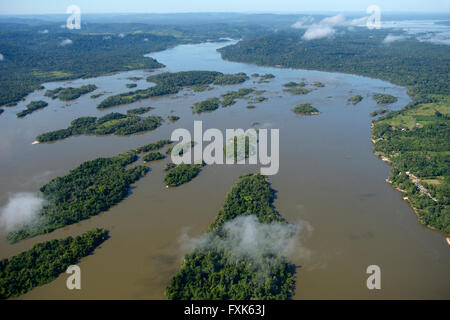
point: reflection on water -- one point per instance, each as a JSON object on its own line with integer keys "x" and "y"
{"x": 328, "y": 177}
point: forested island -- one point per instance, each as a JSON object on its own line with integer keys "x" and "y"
{"x": 173, "y": 118}
{"x": 31, "y": 107}
{"x": 153, "y": 146}
{"x": 414, "y": 140}
{"x": 45, "y": 261}
{"x": 230, "y": 97}
{"x": 112, "y": 123}
{"x": 87, "y": 190}
{"x": 207, "y": 105}
{"x": 139, "y": 111}
{"x": 68, "y": 94}
{"x": 296, "y": 88}
{"x": 305, "y": 109}
{"x": 218, "y": 271}
{"x": 355, "y": 99}
{"x": 171, "y": 83}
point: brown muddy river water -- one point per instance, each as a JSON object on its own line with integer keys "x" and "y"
{"x": 329, "y": 181}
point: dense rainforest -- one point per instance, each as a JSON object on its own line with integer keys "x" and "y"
{"x": 218, "y": 272}
{"x": 45, "y": 261}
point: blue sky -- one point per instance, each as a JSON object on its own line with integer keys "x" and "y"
{"x": 169, "y": 6}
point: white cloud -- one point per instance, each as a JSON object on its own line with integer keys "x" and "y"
{"x": 436, "y": 38}
{"x": 2, "y": 57}
{"x": 66, "y": 42}
{"x": 317, "y": 31}
{"x": 43, "y": 31}
{"x": 324, "y": 29}
{"x": 362, "y": 22}
{"x": 337, "y": 20}
{"x": 392, "y": 38}
{"x": 121, "y": 35}
{"x": 22, "y": 208}
{"x": 246, "y": 237}
{"x": 303, "y": 22}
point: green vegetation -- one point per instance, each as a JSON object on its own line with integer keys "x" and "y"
{"x": 98, "y": 95}
{"x": 292, "y": 84}
{"x": 265, "y": 77}
{"x": 131, "y": 85}
{"x": 382, "y": 98}
{"x": 173, "y": 118}
{"x": 139, "y": 111}
{"x": 355, "y": 99}
{"x": 319, "y": 84}
{"x": 297, "y": 91}
{"x": 378, "y": 112}
{"x": 258, "y": 100}
{"x": 230, "y": 97}
{"x": 68, "y": 94}
{"x": 112, "y": 123}
{"x": 45, "y": 261}
{"x": 421, "y": 66}
{"x": 207, "y": 105}
{"x": 216, "y": 272}
{"x": 153, "y": 156}
{"x": 154, "y": 146}
{"x": 251, "y": 106}
{"x": 201, "y": 88}
{"x": 134, "y": 78}
{"x": 35, "y": 58}
{"x": 91, "y": 188}
{"x": 305, "y": 109}
{"x": 169, "y": 166}
{"x": 166, "y": 83}
{"x": 416, "y": 140}
{"x": 229, "y": 79}
{"x": 181, "y": 174}
{"x": 1, "y": 110}
{"x": 31, "y": 107}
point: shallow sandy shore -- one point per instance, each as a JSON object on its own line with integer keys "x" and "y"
{"x": 448, "y": 241}
{"x": 35, "y": 142}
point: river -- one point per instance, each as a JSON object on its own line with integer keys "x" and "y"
{"x": 329, "y": 181}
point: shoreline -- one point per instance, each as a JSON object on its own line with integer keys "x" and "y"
{"x": 405, "y": 198}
